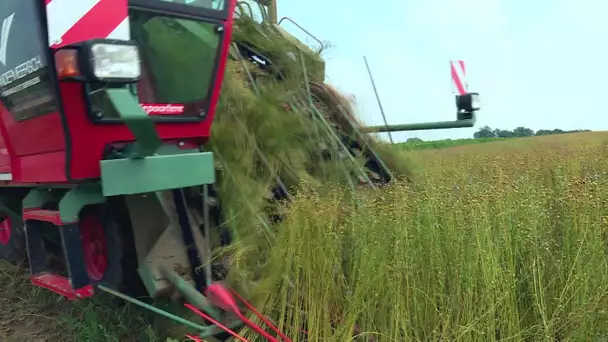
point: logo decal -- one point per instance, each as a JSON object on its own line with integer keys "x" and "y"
{"x": 6, "y": 29}
{"x": 163, "y": 109}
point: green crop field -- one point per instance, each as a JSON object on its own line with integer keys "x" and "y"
{"x": 501, "y": 241}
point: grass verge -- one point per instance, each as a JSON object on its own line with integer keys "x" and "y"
{"x": 435, "y": 144}
{"x": 33, "y": 314}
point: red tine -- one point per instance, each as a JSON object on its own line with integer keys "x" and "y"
{"x": 210, "y": 319}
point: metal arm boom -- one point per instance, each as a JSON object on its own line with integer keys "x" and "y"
{"x": 420, "y": 126}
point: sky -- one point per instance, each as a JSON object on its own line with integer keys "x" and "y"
{"x": 541, "y": 64}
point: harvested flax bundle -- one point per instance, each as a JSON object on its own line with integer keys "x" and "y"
{"x": 298, "y": 134}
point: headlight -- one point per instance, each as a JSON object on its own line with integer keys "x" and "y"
{"x": 469, "y": 102}
{"x": 475, "y": 102}
{"x": 99, "y": 61}
{"x": 115, "y": 62}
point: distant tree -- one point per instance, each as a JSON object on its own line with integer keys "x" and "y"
{"x": 523, "y": 132}
{"x": 543, "y": 132}
{"x": 487, "y": 132}
{"x": 559, "y": 131}
{"x": 414, "y": 140}
{"x": 484, "y": 132}
{"x": 503, "y": 133}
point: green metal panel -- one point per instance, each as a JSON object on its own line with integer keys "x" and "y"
{"x": 138, "y": 121}
{"x": 77, "y": 198}
{"x": 156, "y": 173}
{"x": 146, "y": 274}
{"x": 36, "y": 198}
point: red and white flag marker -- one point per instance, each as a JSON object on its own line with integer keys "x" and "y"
{"x": 459, "y": 81}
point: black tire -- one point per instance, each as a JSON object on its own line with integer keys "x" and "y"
{"x": 121, "y": 271}
{"x": 14, "y": 250}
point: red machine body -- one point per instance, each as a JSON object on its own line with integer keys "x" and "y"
{"x": 59, "y": 143}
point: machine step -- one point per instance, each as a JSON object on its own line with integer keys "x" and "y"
{"x": 40, "y": 256}
{"x": 61, "y": 285}
{"x": 44, "y": 215}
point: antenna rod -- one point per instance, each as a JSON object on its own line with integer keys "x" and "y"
{"x": 390, "y": 137}
{"x": 273, "y": 13}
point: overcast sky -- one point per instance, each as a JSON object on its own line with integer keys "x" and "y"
{"x": 542, "y": 64}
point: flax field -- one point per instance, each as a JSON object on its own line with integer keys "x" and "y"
{"x": 502, "y": 241}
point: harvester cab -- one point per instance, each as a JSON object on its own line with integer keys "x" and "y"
{"x": 102, "y": 124}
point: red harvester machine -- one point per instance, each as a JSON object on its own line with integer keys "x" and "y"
{"x": 115, "y": 191}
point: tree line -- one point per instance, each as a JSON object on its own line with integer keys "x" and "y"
{"x": 488, "y": 132}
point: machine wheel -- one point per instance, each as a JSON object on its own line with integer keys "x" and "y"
{"x": 12, "y": 236}
{"x": 108, "y": 247}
